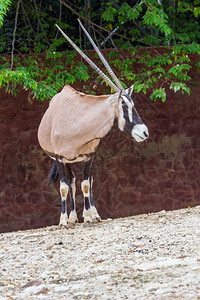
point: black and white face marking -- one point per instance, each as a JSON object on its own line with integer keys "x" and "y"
{"x": 129, "y": 121}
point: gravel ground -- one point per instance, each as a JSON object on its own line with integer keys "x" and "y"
{"x": 154, "y": 256}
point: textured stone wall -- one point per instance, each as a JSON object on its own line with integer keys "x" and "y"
{"x": 129, "y": 178}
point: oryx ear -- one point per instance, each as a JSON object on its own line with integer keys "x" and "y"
{"x": 130, "y": 90}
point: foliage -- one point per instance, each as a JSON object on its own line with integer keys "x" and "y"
{"x": 138, "y": 24}
{"x": 4, "y": 6}
{"x": 21, "y": 77}
{"x": 44, "y": 82}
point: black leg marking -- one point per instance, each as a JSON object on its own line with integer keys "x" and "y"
{"x": 53, "y": 175}
{"x": 91, "y": 194}
{"x": 63, "y": 210}
{"x": 87, "y": 203}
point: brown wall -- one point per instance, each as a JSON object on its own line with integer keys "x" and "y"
{"x": 130, "y": 178}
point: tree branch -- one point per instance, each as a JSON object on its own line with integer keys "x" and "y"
{"x": 14, "y": 32}
{"x": 84, "y": 18}
{"x": 40, "y": 21}
{"x": 92, "y": 23}
{"x": 26, "y": 17}
{"x": 60, "y": 14}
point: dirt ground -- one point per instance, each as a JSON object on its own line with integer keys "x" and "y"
{"x": 154, "y": 256}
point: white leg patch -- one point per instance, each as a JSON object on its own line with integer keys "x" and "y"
{"x": 87, "y": 215}
{"x": 91, "y": 215}
{"x": 94, "y": 214}
{"x": 63, "y": 220}
{"x": 73, "y": 217}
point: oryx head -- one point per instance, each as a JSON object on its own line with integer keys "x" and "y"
{"x": 128, "y": 119}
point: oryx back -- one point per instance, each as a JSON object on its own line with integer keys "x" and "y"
{"x": 74, "y": 123}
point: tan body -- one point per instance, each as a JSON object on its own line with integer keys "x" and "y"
{"x": 74, "y": 123}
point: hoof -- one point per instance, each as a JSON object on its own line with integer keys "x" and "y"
{"x": 62, "y": 226}
{"x": 71, "y": 225}
{"x": 63, "y": 220}
{"x": 96, "y": 220}
{"x": 88, "y": 224}
{"x": 73, "y": 218}
{"x": 94, "y": 214}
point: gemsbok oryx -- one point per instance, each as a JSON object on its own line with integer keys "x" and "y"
{"x": 74, "y": 124}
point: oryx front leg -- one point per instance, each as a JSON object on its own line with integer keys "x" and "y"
{"x": 90, "y": 213}
{"x": 73, "y": 215}
{"x": 85, "y": 187}
{"x": 63, "y": 192}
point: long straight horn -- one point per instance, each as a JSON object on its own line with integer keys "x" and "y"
{"x": 110, "y": 71}
{"x": 112, "y": 85}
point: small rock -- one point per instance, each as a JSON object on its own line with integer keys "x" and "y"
{"x": 42, "y": 291}
{"x": 162, "y": 213}
{"x": 32, "y": 283}
{"x": 59, "y": 243}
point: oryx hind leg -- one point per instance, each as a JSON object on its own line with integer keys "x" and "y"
{"x": 67, "y": 185}
{"x": 64, "y": 188}
{"x": 90, "y": 213}
{"x": 72, "y": 188}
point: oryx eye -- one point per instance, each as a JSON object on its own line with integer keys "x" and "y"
{"x": 124, "y": 104}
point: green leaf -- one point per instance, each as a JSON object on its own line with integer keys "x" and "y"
{"x": 156, "y": 17}
{"x": 109, "y": 14}
{"x": 130, "y": 76}
{"x": 80, "y": 72}
{"x": 180, "y": 86}
{"x": 4, "y": 6}
{"x": 124, "y": 8}
{"x": 140, "y": 87}
{"x": 158, "y": 94}
{"x": 178, "y": 69}
{"x": 134, "y": 12}
{"x": 196, "y": 11}
{"x": 159, "y": 70}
